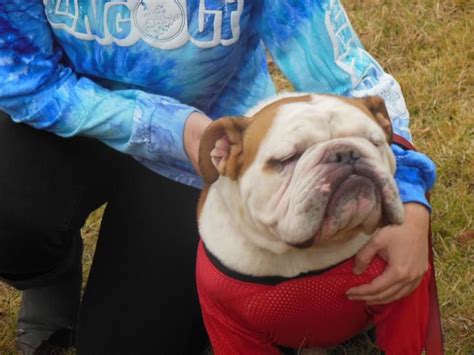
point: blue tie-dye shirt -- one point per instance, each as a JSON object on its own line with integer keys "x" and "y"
{"x": 130, "y": 72}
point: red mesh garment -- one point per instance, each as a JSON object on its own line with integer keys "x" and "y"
{"x": 245, "y": 317}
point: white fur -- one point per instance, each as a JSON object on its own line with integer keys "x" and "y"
{"x": 270, "y": 100}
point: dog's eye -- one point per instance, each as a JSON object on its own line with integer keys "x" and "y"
{"x": 279, "y": 164}
{"x": 376, "y": 141}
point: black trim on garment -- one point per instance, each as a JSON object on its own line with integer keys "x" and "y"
{"x": 262, "y": 280}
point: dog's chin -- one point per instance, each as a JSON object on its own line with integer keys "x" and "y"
{"x": 303, "y": 245}
{"x": 353, "y": 203}
{"x": 354, "y": 206}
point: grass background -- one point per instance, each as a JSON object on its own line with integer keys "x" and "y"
{"x": 428, "y": 46}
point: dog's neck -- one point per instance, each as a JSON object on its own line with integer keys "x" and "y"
{"x": 228, "y": 235}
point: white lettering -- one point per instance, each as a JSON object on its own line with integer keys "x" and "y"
{"x": 218, "y": 24}
{"x": 162, "y": 24}
{"x": 119, "y": 24}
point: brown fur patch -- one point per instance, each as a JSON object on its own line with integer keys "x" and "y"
{"x": 262, "y": 122}
{"x": 232, "y": 128}
{"x": 374, "y": 107}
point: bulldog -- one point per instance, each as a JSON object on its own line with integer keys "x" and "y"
{"x": 292, "y": 192}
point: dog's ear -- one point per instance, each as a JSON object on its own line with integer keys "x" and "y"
{"x": 220, "y": 150}
{"x": 376, "y": 106}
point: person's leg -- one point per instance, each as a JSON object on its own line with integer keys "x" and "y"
{"x": 48, "y": 185}
{"x": 48, "y": 313}
{"x": 141, "y": 296}
{"x": 400, "y": 326}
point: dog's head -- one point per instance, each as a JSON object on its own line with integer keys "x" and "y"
{"x": 305, "y": 170}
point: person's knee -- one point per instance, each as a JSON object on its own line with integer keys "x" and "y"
{"x": 37, "y": 225}
{"x": 26, "y": 253}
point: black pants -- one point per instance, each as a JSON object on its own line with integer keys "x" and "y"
{"x": 140, "y": 297}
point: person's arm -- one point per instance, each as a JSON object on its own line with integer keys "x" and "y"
{"x": 39, "y": 90}
{"x": 315, "y": 46}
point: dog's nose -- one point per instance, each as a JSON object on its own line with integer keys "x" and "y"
{"x": 347, "y": 157}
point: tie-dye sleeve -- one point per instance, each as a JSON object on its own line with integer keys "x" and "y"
{"x": 314, "y": 44}
{"x": 37, "y": 89}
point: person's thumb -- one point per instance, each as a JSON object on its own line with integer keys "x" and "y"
{"x": 365, "y": 256}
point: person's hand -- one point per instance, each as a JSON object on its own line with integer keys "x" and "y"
{"x": 194, "y": 128}
{"x": 405, "y": 249}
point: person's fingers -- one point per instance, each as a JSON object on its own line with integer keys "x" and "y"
{"x": 381, "y": 283}
{"x": 383, "y": 295}
{"x": 365, "y": 256}
{"x": 391, "y": 284}
{"x": 393, "y": 294}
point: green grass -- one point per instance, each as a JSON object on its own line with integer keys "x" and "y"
{"x": 428, "y": 46}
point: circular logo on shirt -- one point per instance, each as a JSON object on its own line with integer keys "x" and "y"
{"x": 160, "y": 21}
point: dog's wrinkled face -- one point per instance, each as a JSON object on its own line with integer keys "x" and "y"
{"x": 306, "y": 170}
